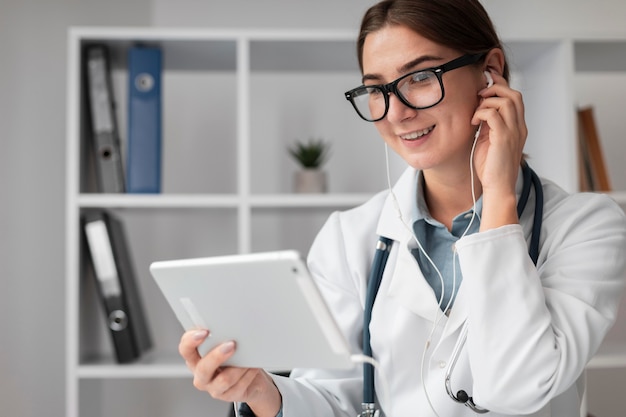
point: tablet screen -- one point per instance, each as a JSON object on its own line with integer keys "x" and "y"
{"x": 266, "y": 302}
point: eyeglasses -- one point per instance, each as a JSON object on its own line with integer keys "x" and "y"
{"x": 418, "y": 90}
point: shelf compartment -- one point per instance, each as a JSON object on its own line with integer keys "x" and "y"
{"x": 304, "y": 55}
{"x": 605, "y": 93}
{"x": 145, "y": 397}
{"x": 295, "y": 113}
{"x": 153, "y": 235}
{"x": 199, "y": 143}
{"x": 286, "y": 227}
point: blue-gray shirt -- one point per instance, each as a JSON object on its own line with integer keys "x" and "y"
{"x": 438, "y": 242}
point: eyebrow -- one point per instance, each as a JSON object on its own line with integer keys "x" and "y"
{"x": 405, "y": 67}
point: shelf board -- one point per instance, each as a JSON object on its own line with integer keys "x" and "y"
{"x": 153, "y": 366}
{"x": 308, "y": 200}
{"x": 220, "y": 200}
{"x": 157, "y": 200}
{"x": 171, "y": 366}
{"x": 610, "y": 355}
{"x": 619, "y": 197}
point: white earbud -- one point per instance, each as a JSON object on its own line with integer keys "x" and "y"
{"x": 489, "y": 78}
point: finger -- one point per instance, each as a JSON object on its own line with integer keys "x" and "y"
{"x": 500, "y": 113}
{"x": 233, "y": 384}
{"x": 502, "y": 89}
{"x": 503, "y": 132}
{"x": 497, "y": 79}
{"x": 188, "y": 346}
{"x": 492, "y": 114}
{"x": 512, "y": 111}
{"x": 208, "y": 368}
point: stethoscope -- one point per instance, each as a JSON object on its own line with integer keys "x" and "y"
{"x": 383, "y": 247}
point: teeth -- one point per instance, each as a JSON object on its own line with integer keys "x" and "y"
{"x": 418, "y": 134}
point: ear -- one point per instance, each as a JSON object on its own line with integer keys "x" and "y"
{"x": 494, "y": 61}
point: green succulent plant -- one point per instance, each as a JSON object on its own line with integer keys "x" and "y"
{"x": 310, "y": 154}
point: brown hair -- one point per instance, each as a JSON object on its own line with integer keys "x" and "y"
{"x": 463, "y": 25}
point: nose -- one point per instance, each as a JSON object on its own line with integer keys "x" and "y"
{"x": 398, "y": 111}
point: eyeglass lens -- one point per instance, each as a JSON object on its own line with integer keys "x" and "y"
{"x": 419, "y": 89}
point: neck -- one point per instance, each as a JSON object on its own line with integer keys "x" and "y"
{"x": 449, "y": 195}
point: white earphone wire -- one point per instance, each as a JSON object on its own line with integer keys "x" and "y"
{"x": 440, "y": 313}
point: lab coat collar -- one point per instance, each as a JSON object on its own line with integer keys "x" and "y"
{"x": 390, "y": 224}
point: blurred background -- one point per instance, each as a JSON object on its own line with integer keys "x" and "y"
{"x": 33, "y": 57}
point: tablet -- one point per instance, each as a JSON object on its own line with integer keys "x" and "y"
{"x": 266, "y": 302}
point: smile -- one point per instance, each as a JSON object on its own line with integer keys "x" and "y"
{"x": 418, "y": 134}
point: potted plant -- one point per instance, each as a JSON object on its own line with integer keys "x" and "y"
{"x": 310, "y": 155}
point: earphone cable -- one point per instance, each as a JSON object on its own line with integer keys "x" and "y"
{"x": 440, "y": 313}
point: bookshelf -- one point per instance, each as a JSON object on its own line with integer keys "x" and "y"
{"x": 600, "y": 82}
{"x": 229, "y": 114}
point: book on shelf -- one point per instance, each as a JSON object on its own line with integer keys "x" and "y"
{"x": 593, "y": 175}
{"x": 109, "y": 255}
{"x": 143, "y": 167}
{"x": 103, "y": 130}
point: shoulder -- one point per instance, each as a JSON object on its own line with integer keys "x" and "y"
{"x": 581, "y": 206}
{"x": 367, "y": 213}
{"x": 353, "y": 225}
{"x": 578, "y": 223}
{"x": 348, "y": 237}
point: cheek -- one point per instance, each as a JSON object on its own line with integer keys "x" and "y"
{"x": 462, "y": 101}
{"x": 457, "y": 114}
{"x": 384, "y": 130}
{"x": 390, "y": 139}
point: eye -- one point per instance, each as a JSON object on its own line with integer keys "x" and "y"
{"x": 373, "y": 91}
{"x": 421, "y": 77}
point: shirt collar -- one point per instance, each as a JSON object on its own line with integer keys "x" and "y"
{"x": 420, "y": 209}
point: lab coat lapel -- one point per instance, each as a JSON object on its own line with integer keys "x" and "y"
{"x": 409, "y": 287}
{"x": 458, "y": 314}
{"x": 389, "y": 225}
{"x": 407, "y": 284}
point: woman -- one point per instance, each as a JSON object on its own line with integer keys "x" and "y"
{"x": 436, "y": 86}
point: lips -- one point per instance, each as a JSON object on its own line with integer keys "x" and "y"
{"x": 417, "y": 134}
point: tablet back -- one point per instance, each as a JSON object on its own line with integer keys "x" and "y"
{"x": 266, "y": 302}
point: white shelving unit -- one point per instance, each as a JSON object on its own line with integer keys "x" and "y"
{"x": 233, "y": 100}
{"x": 232, "y": 103}
{"x": 600, "y": 82}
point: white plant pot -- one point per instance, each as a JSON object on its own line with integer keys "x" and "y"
{"x": 309, "y": 181}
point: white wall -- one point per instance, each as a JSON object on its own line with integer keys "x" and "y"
{"x": 261, "y": 14}
{"x": 32, "y": 129}
{"x": 557, "y": 17}
{"x": 32, "y": 188}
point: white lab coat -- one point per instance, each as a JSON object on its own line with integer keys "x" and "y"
{"x": 531, "y": 329}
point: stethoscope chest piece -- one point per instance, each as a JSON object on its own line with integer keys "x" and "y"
{"x": 369, "y": 410}
{"x": 461, "y": 396}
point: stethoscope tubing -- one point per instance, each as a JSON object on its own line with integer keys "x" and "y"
{"x": 383, "y": 247}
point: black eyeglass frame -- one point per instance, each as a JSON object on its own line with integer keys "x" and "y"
{"x": 392, "y": 87}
